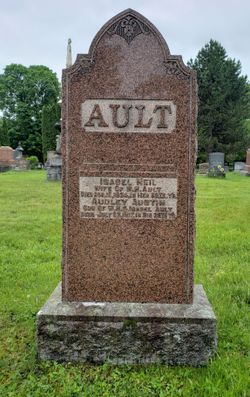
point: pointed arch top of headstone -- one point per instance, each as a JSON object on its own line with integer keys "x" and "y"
{"x": 128, "y": 24}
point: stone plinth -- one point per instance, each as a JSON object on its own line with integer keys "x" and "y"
{"x": 127, "y": 333}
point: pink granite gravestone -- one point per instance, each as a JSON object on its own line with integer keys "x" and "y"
{"x": 247, "y": 165}
{"x": 129, "y": 111}
{"x": 129, "y": 150}
{"x": 7, "y": 161}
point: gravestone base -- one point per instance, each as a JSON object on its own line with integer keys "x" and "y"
{"x": 54, "y": 173}
{"x": 246, "y": 170}
{"x": 127, "y": 333}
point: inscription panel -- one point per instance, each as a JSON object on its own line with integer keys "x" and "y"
{"x": 103, "y": 197}
{"x": 116, "y": 115}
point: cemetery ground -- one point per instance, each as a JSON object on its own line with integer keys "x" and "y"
{"x": 30, "y": 235}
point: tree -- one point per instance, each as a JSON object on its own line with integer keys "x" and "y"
{"x": 4, "y": 133}
{"x": 23, "y": 93}
{"x": 50, "y": 116}
{"x": 223, "y": 102}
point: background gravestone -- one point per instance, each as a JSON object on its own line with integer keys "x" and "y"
{"x": 246, "y": 170}
{"x": 239, "y": 166}
{"x": 129, "y": 151}
{"x": 6, "y": 158}
{"x": 203, "y": 168}
{"x": 215, "y": 159}
{"x": 54, "y": 162}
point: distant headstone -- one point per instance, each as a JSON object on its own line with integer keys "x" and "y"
{"x": 246, "y": 170}
{"x": 129, "y": 153}
{"x": 203, "y": 168}
{"x": 54, "y": 162}
{"x": 19, "y": 151}
{"x": 215, "y": 159}
{"x": 16, "y": 153}
{"x": 239, "y": 166}
{"x": 50, "y": 155}
{"x": 6, "y": 158}
{"x": 22, "y": 164}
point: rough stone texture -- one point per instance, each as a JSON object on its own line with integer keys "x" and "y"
{"x": 129, "y": 260}
{"x": 127, "y": 333}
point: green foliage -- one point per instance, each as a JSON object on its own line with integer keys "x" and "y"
{"x": 23, "y": 93}
{"x": 223, "y": 102}
{"x": 50, "y": 116}
{"x": 33, "y": 162}
{"x": 30, "y": 234}
{"x": 4, "y": 133}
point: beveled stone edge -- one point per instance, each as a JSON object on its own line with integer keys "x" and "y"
{"x": 199, "y": 311}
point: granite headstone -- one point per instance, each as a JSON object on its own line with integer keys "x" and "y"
{"x": 6, "y": 158}
{"x": 203, "y": 168}
{"x": 246, "y": 169}
{"x": 239, "y": 166}
{"x": 215, "y": 159}
{"x": 129, "y": 151}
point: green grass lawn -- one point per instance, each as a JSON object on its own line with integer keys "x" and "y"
{"x": 30, "y": 249}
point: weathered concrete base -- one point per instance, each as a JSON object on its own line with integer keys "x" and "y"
{"x": 127, "y": 333}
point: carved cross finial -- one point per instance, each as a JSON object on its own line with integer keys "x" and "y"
{"x": 69, "y": 54}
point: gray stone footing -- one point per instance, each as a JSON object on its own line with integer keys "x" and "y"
{"x": 127, "y": 333}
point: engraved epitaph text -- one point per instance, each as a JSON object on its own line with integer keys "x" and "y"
{"x": 128, "y": 198}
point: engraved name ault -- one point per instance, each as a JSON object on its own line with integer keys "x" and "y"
{"x": 116, "y": 115}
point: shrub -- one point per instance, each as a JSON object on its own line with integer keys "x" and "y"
{"x": 33, "y": 162}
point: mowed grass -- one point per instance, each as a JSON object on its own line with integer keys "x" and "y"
{"x": 30, "y": 235}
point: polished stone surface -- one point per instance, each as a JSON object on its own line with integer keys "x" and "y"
{"x": 128, "y": 122}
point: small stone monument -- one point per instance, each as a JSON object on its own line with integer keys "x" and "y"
{"x": 21, "y": 163}
{"x": 54, "y": 161}
{"x": 18, "y": 152}
{"x": 129, "y": 151}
